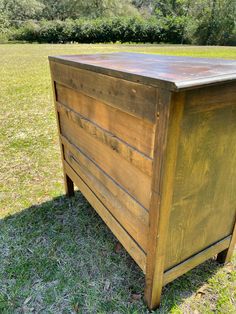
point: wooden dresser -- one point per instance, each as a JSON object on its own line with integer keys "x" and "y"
{"x": 150, "y": 141}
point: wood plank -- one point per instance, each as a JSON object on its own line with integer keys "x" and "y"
{"x": 226, "y": 255}
{"x": 195, "y": 260}
{"x": 68, "y": 184}
{"x": 205, "y": 182}
{"x": 135, "y": 227}
{"x": 167, "y": 72}
{"x": 129, "y": 177}
{"x": 169, "y": 115}
{"x": 137, "y": 132}
{"x": 133, "y": 98}
{"x": 121, "y": 194}
{"x": 231, "y": 246}
{"x": 139, "y": 160}
{"x": 133, "y": 249}
{"x": 211, "y": 98}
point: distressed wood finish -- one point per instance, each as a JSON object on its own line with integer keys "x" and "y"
{"x": 169, "y": 112}
{"x": 124, "y": 95}
{"x": 124, "y": 173}
{"x": 132, "y": 155}
{"x": 122, "y": 235}
{"x": 151, "y": 143}
{"x": 204, "y": 187}
{"x": 113, "y": 120}
{"x": 197, "y": 259}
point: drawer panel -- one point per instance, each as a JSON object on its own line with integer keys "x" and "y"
{"x": 134, "y": 98}
{"x": 129, "y": 244}
{"x": 136, "y": 158}
{"x": 132, "y": 216}
{"x": 136, "y": 132}
{"x": 129, "y": 177}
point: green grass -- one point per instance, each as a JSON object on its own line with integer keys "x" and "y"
{"x": 56, "y": 255}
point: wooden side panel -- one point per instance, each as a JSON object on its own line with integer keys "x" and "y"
{"x": 204, "y": 201}
{"x": 134, "y": 131}
{"x": 133, "y": 98}
{"x": 195, "y": 260}
{"x": 123, "y": 173}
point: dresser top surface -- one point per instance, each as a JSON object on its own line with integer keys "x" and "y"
{"x": 170, "y": 72}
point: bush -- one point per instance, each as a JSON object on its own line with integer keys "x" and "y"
{"x": 27, "y": 32}
{"x": 123, "y": 29}
{"x": 4, "y": 28}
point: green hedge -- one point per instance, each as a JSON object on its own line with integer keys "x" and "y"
{"x": 102, "y": 30}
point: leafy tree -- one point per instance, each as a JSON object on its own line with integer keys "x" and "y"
{"x": 216, "y": 21}
{"x": 21, "y": 10}
{"x": 4, "y": 22}
{"x": 63, "y": 9}
{"x": 176, "y": 10}
{"x": 195, "y": 21}
{"x": 204, "y": 21}
{"x": 106, "y": 8}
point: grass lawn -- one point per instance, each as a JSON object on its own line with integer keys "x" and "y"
{"x": 56, "y": 255}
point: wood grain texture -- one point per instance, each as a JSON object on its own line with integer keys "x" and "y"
{"x": 139, "y": 160}
{"x": 134, "y": 131}
{"x": 136, "y": 227}
{"x": 157, "y": 164}
{"x": 124, "y": 238}
{"x": 169, "y": 113}
{"x": 195, "y": 260}
{"x": 169, "y": 72}
{"x": 211, "y": 98}
{"x": 68, "y": 183}
{"x": 121, "y": 194}
{"x": 204, "y": 202}
{"x": 135, "y": 99}
{"x": 125, "y": 174}
{"x": 231, "y": 246}
{"x": 225, "y": 256}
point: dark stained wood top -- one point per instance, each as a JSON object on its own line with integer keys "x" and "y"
{"x": 174, "y": 73}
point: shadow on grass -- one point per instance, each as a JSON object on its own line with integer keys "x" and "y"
{"x": 59, "y": 257}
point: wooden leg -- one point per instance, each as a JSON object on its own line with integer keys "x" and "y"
{"x": 153, "y": 289}
{"x": 221, "y": 257}
{"x": 153, "y": 294}
{"x": 225, "y": 256}
{"x": 69, "y": 186}
{"x": 170, "y": 113}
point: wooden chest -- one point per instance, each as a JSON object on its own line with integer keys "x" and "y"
{"x": 150, "y": 141}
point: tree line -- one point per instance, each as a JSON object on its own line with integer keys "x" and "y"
{"x": 204, "y": 22}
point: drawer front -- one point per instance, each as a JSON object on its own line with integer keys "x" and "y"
{"x": 122, "y": 235}
{"x": 128, "y": 176}
{"x": 107, "y": 128}
{"x": 136, "y": 99}
{"x": 136, "y": 132}
{"x": 130, "y": 215}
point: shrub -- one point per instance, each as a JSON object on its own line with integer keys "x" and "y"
{"x": 27, "y": 32}
{"x": 123, "y": 29}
